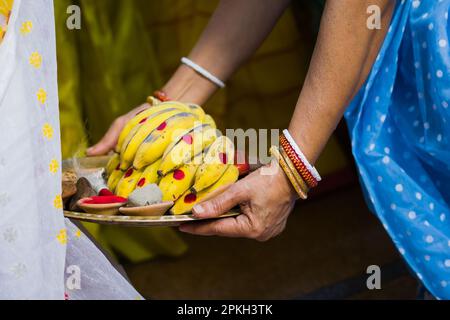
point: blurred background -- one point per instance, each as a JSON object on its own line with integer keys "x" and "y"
{"x": 127, "y": 49}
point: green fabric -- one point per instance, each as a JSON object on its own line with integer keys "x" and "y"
{"x": 97, "y": 83}
{"x": 126, "y": 49}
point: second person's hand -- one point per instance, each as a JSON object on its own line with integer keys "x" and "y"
{"x": 109, "y": 140}
{"x": 266, "y": 201}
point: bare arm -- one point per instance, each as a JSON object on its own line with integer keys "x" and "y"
{"x": 344, "y": 55}
{"x": 236, "y": 30}
{"x": 234, "y": 33}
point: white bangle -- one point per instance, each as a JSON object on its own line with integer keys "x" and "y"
{"x": 302, "y": 157}
{"x": 203, "y": 72}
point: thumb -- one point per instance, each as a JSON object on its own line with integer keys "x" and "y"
{"x": 108, "y": 142}
{"x": 220, "y": 204}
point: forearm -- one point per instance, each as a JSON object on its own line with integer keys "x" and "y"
{"x": 345, "y": 52}
{"x": 233, "y": 34}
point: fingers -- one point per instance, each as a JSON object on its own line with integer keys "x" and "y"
{"x": 231, "y": 227}
{"x": 220, "y": 204}
{"x": 239, "y": 227}
{"x": 108, "y": 142}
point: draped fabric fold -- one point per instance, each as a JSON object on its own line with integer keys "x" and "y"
{"x": 399, "y": 123}
{"x": 39, "y": 249}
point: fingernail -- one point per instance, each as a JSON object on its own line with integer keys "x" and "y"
{"x": 198, "y": 210}
{"x": 90, "y": 149}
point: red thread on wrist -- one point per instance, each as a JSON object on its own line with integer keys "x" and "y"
{"x": 298, "y": 163}
{"x": 161, "y": 96}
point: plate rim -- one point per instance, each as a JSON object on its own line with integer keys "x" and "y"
{"x": 137, "y": 220}
{"x": 123, "y": 220}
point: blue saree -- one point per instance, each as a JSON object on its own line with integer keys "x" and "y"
{"x": 400, "y": 128}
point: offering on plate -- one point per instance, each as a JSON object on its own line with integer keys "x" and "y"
{"x": 146, "y": 196}
{"x": 170, "y": 156}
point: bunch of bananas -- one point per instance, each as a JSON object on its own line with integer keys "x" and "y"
{"x": 177, "y": 147}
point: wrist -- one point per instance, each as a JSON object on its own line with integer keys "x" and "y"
{"x": 188, "y": 86}
{"x": 305, "y": 140}
{"x": 286, "y": 185}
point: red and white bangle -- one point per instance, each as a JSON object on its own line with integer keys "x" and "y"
{"x": 311, "y": 171}
{"x": 297, "y": 164}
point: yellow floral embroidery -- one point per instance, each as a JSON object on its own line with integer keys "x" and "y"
{"x": 78, "y": 234}
{"x": 42, "y": 96}
{"x": 62, "y": 236}
{"x": 58, "y": 203}
{"x": 47, "y": 131}
{"x": 26, "y": 28}
{"x": 36, "y": 60}
{"x": 54, "y": 166}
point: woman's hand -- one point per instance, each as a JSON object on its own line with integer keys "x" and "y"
{"x": 266, "y": 200}
{"x": 109, "y": 140}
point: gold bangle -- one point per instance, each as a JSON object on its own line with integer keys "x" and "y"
{"x": 298, "y": 177}
{"x": 151, "y": 100}
{"x": 275, "y": 153}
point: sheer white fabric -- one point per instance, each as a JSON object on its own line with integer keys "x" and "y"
{"x": 41, "y": 254}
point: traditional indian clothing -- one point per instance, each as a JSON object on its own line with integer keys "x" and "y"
{"x": 42, "y": 255}
{"x": 400, "y": 126}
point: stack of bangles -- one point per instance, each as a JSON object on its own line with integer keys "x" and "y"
{"x": 302, "y": 175}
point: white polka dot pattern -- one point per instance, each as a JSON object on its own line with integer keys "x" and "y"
{"x": 400, "y": 123}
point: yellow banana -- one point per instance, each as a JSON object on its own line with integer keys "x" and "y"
{"x": 114, "y": 179}
{"x": 139, "y": 134}
{"x": 128, "y": 182}
{"x": 198, "y": 111}
{"x": 150, "y": 175}
{"x": 210, "y": 121}
{"x": 192, "y": 142}
{"x": 156, "y": 143}
{"x": 141, "y": 118}
{"x": 113, "y": 164}
{"x": 216, "y": 161}
{"x": 189, "y": 199}
{"x": 176, "y": 183}
{"x": 145, "y": 119}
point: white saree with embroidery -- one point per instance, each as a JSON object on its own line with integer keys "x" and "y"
{"x": 42, "y": 255}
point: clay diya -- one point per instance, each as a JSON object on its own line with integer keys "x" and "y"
{"x": 154, "y": 210}
{"x": 104, "y": 206}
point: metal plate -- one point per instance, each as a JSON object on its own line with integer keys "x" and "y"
{"x": 85, "y": 163}
{"x": 127, "y": 221}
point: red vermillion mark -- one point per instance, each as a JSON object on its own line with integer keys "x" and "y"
{"x": 190, "y": 198}
{"x": 179, "y": 175}
{"x": 223, "y": 158}
{"x": 162, "y": 126}
{"x": 143, "y": 120}
{"x": 129, "y": 173}
{"x": 141, "y": 183}
{"x": 188, "y": 139}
